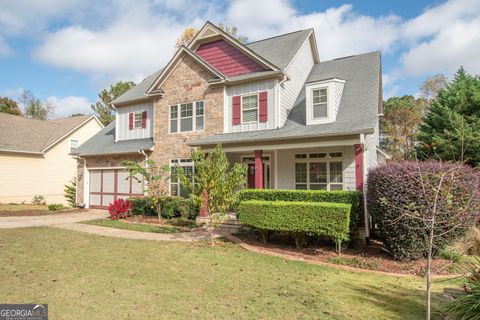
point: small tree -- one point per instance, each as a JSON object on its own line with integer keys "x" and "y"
{"x": 216, "y": 182}
{"x": 71, "y": 192}
{"x": 156, "y": 178}
{"x": 9, "y": 106}
{"x": 445, "y": 203}
{"x": 34, "y": 107}
{"x": 103, "y": 107}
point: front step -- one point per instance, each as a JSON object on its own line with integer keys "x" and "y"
{"x": 232, "y": 225}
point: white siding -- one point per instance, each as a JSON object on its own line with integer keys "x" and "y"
{"x": 122, "y": 131}
{"x": 297, "y": 73}
{"x": 286, "y": 166}
{"x": 250, "y": 88}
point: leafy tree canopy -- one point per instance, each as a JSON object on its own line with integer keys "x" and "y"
{"x": 102, "y": 107}
{"x": 399, "y": 126}
{"x": 451, "y": 127}
{"x": 9, "y": 106}
{"x": 34, "y": 107}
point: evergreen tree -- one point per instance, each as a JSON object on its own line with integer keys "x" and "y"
{"x": 103, "y": 108}
{"x": 451, "y": 128}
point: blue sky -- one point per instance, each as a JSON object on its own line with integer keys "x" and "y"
{"x": 66, "y": 51}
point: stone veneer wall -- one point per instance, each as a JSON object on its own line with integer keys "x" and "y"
{"x": 187, "y": 83}
{"x": 109, "y": 161}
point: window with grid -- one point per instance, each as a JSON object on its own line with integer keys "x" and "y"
{"x": 137, "y": 120}
{"x": 250, "y": 108}
{"x": 319, "y": 98}
{"x": 187, "y": 117}
{"x": 176, "y": 188}
{"x": 319, "y": 171}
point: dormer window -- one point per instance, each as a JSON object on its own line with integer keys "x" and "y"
{"x": 250, "y": 108}
{"x": 323, "y": 100}
{"x": 137, "y": 120}
{"x": 320, "y": 106}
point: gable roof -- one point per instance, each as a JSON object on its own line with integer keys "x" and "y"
{"x": 104, "y": 143}
{"x": 281, "y": 49}
{"x": 358, "y": 110}
{"x": 24, "y": 135}
{"x": 138, "y": 92}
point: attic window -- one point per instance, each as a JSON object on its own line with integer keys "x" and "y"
{"x": 320, "y": 108}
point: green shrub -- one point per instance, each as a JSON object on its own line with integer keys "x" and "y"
{"x": 467, "y": 306}
{"x": 354, "y": 198}
{"x": 172, "y": 207}
{"x": 55, "y": 206}
{"x": 71, "y": 192}
{"x": 324, "y": 219}
{"x": 38, "y": 199}
{"x": 450, "y": 253}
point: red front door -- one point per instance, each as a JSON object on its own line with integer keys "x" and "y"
{"x": 251, "y": 175}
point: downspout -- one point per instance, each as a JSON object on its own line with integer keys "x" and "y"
{"x": 367, "y": 216}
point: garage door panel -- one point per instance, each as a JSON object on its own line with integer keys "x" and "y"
{"x": 107, "y": 199}
{"x": 108, "y": 181}
{"x": 137, "y": 185}
{"x": 123, "y": 182}
{"x": 95, "y": 181}
{"x": 95, "y": 200}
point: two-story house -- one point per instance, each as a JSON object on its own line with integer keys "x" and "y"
{"x": 297, "y": 122}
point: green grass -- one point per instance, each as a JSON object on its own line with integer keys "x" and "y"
{"x": 22, "y": 207}
{"x": 354, "y": 262}
{"x": 83, "y": 276}
{"x": 118, "y": 224}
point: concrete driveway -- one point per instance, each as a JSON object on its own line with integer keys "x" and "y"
{"x": 51, "y": 220}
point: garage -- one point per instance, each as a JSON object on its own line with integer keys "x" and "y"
{"x": 108, "y": 185}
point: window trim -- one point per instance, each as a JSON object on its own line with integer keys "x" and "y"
{"x": 258, "y": 108}
{"x": 334, "y": 87}
{"x": 179, "y": 117}
{"x": 141, "y": 119}
{"x": 76, "y": 146}
{"x": 326, "y": 103}
{"x": 181, "y": 162}
{"x": 326, "y": 160}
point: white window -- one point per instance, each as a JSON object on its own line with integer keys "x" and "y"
{"x": 319, "y": 171}
{"x": 320, "y": 107}
{"x": 187, "y": 117}
{"x": 137, "y": 117}
{"x": 176, "y": 189}
{"x": 73, "y": 144}
{"x": 250, "y": 108}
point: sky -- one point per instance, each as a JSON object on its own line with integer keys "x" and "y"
{"x": 65, "y": 52}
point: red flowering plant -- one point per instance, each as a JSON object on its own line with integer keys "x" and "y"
{"x": 119, "y": 209}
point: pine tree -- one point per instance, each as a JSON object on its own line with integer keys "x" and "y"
{"x": 450, "y": 130}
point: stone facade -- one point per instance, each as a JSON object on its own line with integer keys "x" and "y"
{"x": 187, "y": 83}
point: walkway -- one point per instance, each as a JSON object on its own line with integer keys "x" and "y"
{"x": 51, "y": 220}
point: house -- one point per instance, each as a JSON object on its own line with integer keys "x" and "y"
{"x": 35, "y": 155}
{"x": 296, "y": 121}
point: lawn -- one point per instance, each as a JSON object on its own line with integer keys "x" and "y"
{"x": 85, "y": 276}
{"x": 7, "y": 210}
{"x": 118, "y": 224}
{"x": 22, "y": 207}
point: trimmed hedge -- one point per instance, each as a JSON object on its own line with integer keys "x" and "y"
{"x": 312, "y": 218}
{"x": 172, "y": 207}
{"x": 354, "y": 198}
{"x": 396, "y": 186}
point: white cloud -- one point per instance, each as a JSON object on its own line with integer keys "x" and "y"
{"x": 5, "y": 49}
{"x": 66, "y": 106}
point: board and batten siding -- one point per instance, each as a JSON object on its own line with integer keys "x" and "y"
{"x": 246, "y": 89}
{"x": 24, "y": 176}
{"x": 297, "y": 73}
{"x": 122, "y": 129}
{"x": 286, "y": 166}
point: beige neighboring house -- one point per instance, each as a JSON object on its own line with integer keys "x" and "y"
{"x": 35, "y": 155}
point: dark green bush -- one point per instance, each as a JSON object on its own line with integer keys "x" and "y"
{"x": 354, "y": 198}
{"x": 323, "y": 219}
{"x": 172, "y": 207}
{"x": 55, "y": 206}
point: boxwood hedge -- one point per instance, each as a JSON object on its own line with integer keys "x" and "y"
{"x": 324, "y": 219}
{"x": 354, "y": 198}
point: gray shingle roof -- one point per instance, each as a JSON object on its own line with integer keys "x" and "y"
{"x": 281, "y": 49}
{"x": 138, "y": 92}
{"x": 104, "y": 143}
{"x": 358, "y": 110}
{"x": 20, "y": 134}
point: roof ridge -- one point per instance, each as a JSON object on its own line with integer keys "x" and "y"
{"x": 277, "y": 36}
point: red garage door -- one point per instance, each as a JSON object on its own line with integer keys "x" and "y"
{"x": 109, "y": 185}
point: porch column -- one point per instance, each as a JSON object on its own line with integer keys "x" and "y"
{"x": 359, "y": 167}
{"x": 258, "y": 170}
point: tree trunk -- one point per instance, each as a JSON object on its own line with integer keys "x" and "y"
{"x": 429, "y": 266}
{"x": 210, "y": 229}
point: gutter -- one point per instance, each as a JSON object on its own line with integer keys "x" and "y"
{"x": 22, "y": 151}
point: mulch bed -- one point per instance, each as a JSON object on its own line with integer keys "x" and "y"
{"x": 30, "y": 213}
{"x": 371, "y": 257}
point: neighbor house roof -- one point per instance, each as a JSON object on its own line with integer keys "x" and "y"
{"x": 25, "y": 135}
{"x": 358, "y": 110}
{"x": 104, "y": 143}
{"x": 279, "y": 50}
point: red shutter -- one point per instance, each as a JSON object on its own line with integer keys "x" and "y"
{"x": 263, "y": 108}
{"x": 130, "y": 121}
{"x": 236, "y": 110}
{"x": 144, "y": 119}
